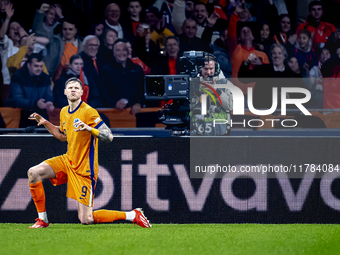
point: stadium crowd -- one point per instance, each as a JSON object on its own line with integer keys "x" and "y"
{"x": 111, "y": 45}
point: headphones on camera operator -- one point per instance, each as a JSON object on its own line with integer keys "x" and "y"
{"x": 207, "y": 58}
{"x": 192, "y": 62}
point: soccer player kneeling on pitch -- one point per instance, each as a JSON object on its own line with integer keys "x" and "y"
{"x": 80, "y": 126}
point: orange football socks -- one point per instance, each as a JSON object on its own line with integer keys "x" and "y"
{"x": 38, "y": 195}
{"x": 102, "y": 216}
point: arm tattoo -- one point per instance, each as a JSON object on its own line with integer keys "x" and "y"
{"x": 105, "y": 133}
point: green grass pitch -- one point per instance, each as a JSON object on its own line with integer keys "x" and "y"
{"x": 174, "y": 239}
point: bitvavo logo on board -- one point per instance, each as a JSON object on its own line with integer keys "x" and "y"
{"x": 238, "y": 103}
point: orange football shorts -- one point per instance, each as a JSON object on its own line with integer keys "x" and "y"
{"x": 80, "y": 188}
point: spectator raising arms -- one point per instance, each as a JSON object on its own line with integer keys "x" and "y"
{"x": 15, "y": 48}
{"x": 208, "y": 25}
{"x": 9, "y": 45}
{"x": 173, "y": 12}
{"x": 62, "y": 47}
{"x": 158, "y": 28}
{"x": 46, "y": 20}
{"x": 3, "y": 5}
{"x": 28, "y": 46}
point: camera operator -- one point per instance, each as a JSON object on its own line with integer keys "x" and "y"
{"x": 211, "y": 74}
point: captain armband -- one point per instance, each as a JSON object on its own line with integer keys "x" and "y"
{"x": 95, "y": 132}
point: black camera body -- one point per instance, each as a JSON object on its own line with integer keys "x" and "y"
{"x": 166, "y": 87}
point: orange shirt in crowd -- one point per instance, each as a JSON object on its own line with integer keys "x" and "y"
{"x": 69, "y": 51}
{"x": 240, "y": 53}
{"x": 139, "y": 62}
{"x": 134, "y": 27}
{"x": 321, "y": 33}
{"x": 172, "y": 66}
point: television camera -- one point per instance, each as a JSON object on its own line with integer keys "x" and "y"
{"x": 182, "y": 93}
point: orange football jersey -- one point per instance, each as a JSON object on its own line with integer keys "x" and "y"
{"x": 82, "y": 151}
